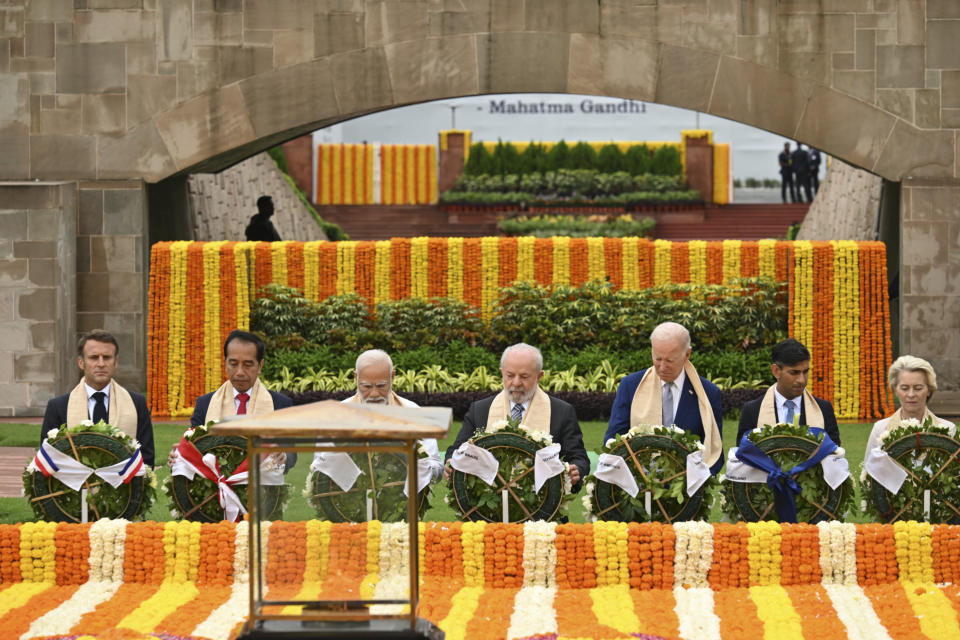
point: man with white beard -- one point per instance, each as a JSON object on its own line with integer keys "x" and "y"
{"x": 522, "y": 399}
{"x": 374, "y": 376}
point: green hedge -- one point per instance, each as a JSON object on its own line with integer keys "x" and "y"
{"x": 730, "y": 327}
{"x": 546, "y": 226}
{"x": 638, "y": 159}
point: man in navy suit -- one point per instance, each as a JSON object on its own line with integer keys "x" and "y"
{"x": 99, "y": 397}
{"x": 789, "y": 396}
{"x": 243, "y": 392}
{"x": 671, "y": 392}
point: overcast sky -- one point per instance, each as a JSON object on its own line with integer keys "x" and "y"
{"x": 521, "y": 117}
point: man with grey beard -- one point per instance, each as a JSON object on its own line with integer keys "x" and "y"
{"x": 374, "y": 375}
{"x": 522, "y": 399}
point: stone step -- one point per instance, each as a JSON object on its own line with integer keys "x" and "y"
{"x": 13, "y": 460}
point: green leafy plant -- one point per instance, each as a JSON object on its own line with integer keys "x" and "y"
{"x": 608, "y": 226}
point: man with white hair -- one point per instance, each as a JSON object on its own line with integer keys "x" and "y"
{"x": 671, "y": 392}
{"x": 522, "y": 398}
{"x": 374, "y": 375}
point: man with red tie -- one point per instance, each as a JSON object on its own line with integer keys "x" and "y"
{"x": 243, "y": 392}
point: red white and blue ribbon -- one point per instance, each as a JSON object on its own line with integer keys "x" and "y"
{"x": 189, "y": 462}
{"x": 73, "y": 473}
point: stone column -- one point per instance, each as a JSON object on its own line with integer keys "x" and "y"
{"x": 450, "y": 160}
{"x": 699, "y": 154}
{"x": 113, "y": 270}
{"x": 38, "y": 224}
{"x": 929, "y": 280}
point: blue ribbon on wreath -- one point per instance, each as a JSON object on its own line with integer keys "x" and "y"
{"x": 781, "y": 482}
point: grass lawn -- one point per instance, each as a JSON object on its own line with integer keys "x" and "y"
{"x": 14, "y": 510}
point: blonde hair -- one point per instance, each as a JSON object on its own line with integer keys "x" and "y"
{"x": 912, "y": 363}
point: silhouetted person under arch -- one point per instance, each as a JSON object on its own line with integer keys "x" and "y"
{"x": 260, "y": 227}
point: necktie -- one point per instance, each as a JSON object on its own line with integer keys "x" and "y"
{"x": 100, "y": 408}
{"x": 790, "y": 408}
{"x": 517, "y": 412}
{"x": 668, "y": 404}
{"x": 242, "y": 397}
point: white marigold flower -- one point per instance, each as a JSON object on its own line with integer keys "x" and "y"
{"x": 840, "y": 452}
{"x": 609, "y": 443}
{"x": 87, "y": 423}
{"x": 189, "y": 433}
{"x": 53, "y": 433}
{"x": 912, "y": 423}
{"x": 863, "y": 475}
{"x": 722, "y": 477}
{"x": 32, "y": 468}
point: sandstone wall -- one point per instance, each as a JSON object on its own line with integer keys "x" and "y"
{"x": 846, "y": 207}
{"x": 221, "y": 204}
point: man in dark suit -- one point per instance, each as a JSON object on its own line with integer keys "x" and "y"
{"x": 671, "y": 393}
{"x": 243, "y": 392}
{"x": 99, "y": 397}
{"x": 522, "y": 367}
{"x": 260, "y": 227}
{"x": 786, "y": 174}
{"x": 789, "y": 396}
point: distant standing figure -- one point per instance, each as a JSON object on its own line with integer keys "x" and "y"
{"x": 786, "y": 174}
{"x": 801, "y": 168}
{"x": 260, "y": 227}
{"x": 815, "y": 169}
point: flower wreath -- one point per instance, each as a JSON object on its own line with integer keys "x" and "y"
{"x": 515, "y": 448}
{"x": 199, "y": 494}
{"x": 656, "y": 458}
{"x": 98, "y": 458}
{"x": 382, "y": 477}
{"x": 788, "y": 445}
{"x": 929, "y": 456}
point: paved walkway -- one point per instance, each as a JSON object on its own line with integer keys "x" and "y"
{"x": 13, "y": 460}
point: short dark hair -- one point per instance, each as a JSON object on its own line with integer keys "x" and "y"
{"x": 789, "y": 352}
{"x": 97, "y": 335}
{"x": 264, "y": 201}
{"x": 244, "y": 336}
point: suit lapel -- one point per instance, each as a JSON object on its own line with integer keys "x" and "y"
{"x": 688, "y": 411}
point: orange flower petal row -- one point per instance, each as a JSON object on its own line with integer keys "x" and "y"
{"x": 461, "y": 268}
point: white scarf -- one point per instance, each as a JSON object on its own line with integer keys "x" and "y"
{"x": 223, "y": 402}
{"x": 121, "y": 412}
{"x": 647, "y": 408}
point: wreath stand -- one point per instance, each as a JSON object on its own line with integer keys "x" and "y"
{"x": 332, "y": 426}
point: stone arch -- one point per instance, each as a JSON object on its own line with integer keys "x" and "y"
{"x": 225, "y": 124}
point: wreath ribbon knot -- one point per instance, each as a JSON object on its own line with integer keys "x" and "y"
{"x": 190, "y": 462}
{"x": 782, "y": 482}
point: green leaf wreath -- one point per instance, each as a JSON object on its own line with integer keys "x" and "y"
{"x": 383, "y": 477}
{"x": 788, "y": 445}
{"x": 197, "y": 499}
{"x": 930, "y": 454}
{"x": 95, "y": 445}
{"x": 657, "y": 458}
{"x": 514, "y": 446}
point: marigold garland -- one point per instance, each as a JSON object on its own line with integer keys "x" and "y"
{"x": 837, "y": 297}
{"x": 512, "y": 594}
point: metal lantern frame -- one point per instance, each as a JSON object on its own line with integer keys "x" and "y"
{"x": 331, "y": 426}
